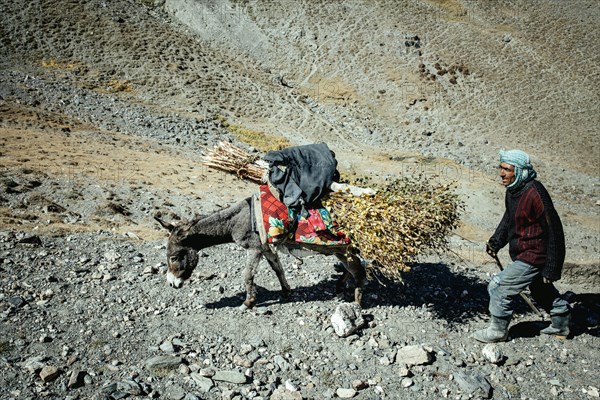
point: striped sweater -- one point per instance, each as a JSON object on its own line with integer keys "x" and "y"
{"x": 532, "y": 229}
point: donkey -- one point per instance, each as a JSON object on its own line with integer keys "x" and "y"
{"x": 235, "y": 225}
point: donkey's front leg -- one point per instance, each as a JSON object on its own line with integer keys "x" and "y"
{"x": 253, "y": 258}
{"x": 273, "y": 260}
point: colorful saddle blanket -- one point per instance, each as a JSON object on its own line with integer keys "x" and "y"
{"x": 317, "y": 228}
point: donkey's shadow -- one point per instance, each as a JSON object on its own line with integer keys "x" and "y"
{"x": 456, "y": 297}
{"x": 449, "y": 295}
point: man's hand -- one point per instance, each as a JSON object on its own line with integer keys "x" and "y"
{"x": 547, "y": 280}
{"x": 490, "y": 251}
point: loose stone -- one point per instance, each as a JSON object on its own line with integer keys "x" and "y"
{"x": 230, "y": 376}
{"x": 163, "y": 362}
{"x": 344, "y": 393}
{"x": 49, "y": 373}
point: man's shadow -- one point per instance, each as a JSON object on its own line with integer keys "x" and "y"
{"x": 585, "y": 318}
{"x": 446, "y": 292}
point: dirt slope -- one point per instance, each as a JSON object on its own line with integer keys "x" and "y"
{"x": 106, "y": 106}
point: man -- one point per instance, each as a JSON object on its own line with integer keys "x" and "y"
{"x": 534, "y": 234}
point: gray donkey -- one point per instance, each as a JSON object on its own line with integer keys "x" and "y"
{"x": 235, "y": 225}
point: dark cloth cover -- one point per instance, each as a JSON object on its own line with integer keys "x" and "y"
{"x": 308, "y": 173}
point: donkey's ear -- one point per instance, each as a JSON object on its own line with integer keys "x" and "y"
{"x": 168, "y": 226}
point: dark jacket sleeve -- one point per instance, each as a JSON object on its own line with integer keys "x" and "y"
{"x": 500, "y": 238}
{"x": 555, "y": 245}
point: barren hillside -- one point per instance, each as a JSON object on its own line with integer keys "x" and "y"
{"x": 106, "y": 107}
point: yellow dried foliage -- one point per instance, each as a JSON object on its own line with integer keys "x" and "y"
{"x": 260, "y": 140}
{"x": 54, "y": 64}
{"x": 119, "y": 85}
{"x": 405, "y": 219}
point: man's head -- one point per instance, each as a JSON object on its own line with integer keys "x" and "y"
{"x": 507, "y": 173}
{"x": 515, "y": 168}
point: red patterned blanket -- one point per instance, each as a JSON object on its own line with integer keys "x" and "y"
{"x": 318, "y": 228}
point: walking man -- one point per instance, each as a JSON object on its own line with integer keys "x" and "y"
{"x": 534, "y": 234}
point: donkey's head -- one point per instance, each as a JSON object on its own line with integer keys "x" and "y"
{"x": 182, "y": 258}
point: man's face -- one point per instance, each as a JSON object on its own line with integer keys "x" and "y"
{"x": 507, "y": 173}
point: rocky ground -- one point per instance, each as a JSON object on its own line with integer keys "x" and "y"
{"x": 105, "y": 110}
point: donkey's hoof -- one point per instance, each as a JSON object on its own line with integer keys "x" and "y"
{"x": 248, "y": 304}
{"x": 285, "y": 296}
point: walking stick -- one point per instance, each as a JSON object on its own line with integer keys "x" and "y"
{"x": 523, "y": 295}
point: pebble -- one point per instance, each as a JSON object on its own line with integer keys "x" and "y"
{"x": 167, "y": 347}
{"x": 281, "y": 393}
{"x": 413, "y": 355}
{"x": 34, "y": 364}
{"x": 592, "y": 391}
{"x": 406, "y": 382}
{"x": 49, "y": 373}
{"x": 359, "y": 384}
{"x": 230, "y": 376}
{"x": 344, "y": 393}
{"x": 281, "y": 363}
{"x": 129, "y": 386}
{"x": 163, "y": 362}
{"x": 291, "y": 386}
{"x": 204, "y": 383}
{"x": 175, "y": 392}
{"x": 150, "y": 270}
{"x": 76, "y": 379}
{"x": 473, "y": 384}
{"x": 16, "y": 301}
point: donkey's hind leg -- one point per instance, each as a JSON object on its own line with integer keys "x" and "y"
{"x": 355, "y": 268}
{"x": 253, "y": 258}
{"x": 273, "y": 260}
{"x": 340, "y": 284}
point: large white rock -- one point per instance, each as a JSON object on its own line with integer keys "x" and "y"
{"x": 347, "y": 319}
{"x": 492, "y": 353}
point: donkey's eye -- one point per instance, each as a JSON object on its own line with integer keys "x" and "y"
{"x": 172, "y": 259}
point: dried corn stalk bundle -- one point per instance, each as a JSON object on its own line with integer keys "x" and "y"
{"x": 403, "y": 220}
{"x": 230, "y": 158}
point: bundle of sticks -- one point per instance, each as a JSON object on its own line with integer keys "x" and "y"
{"x": 232, "y": 159}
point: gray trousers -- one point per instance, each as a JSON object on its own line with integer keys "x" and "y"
{"x": 507, "y": 284}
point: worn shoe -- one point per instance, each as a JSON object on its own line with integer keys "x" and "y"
{"x": 496, "y": 332}
{"x": 559, "y": 326}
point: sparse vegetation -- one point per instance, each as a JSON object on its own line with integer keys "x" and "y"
{"x": 52, "y": 63}
{"x": 119, "y": 85}
{"x": 260, "y": 140}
